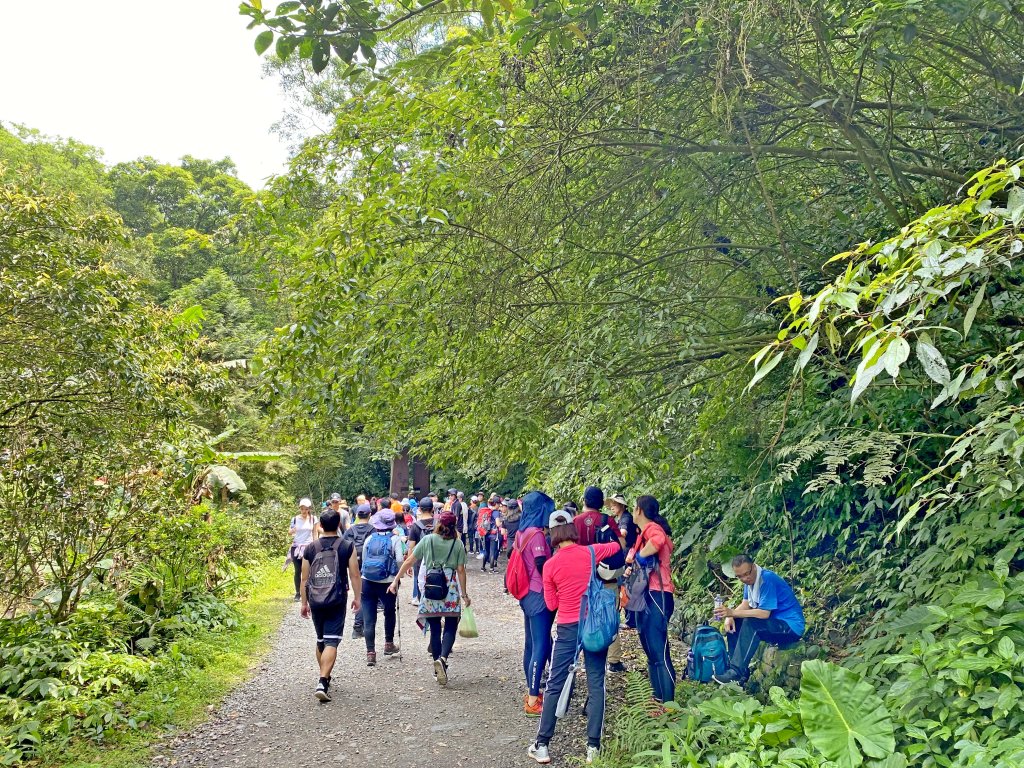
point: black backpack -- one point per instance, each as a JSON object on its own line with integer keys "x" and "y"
{"x": 358, "y": 534}
{"x": 435, "y": 581}
{"x": 327, "y": 584}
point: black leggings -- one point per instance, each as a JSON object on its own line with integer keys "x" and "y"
{"x": 441, "y": 644}
{"x": 297, "y": 562}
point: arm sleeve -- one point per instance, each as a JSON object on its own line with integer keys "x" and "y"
{"x": 601, "y": 551}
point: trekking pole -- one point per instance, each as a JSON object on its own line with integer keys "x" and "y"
{"x": 398, "y": 620}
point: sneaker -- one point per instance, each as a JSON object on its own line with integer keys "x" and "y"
{"x": 357, "y": 633}
{"x": 441, "y": 672}
{"x": 480, "y": 556}
{"x": 539, "y": 753}
{"x": 415, "y": 601}
{"x": 617, "y": 666}
{"x": 321, "y": 693}
{"x": 533, "y": 711}
{"x": 371, "y": 658}
{"x": 591, "y": 754}
{"x": 390, "y": 649}
{"x": 729, "y": 676}
{"x": 296, "y": 599}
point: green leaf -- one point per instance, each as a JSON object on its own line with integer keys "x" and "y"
{"x": 263, "y": 41}
{"x": 973, "y": 309}
{"x": 842, "y": 716}
{"x": 1015, "y": 204}
{"x": 1006, "y": 649}
{"x": 193, "y": 315}
{"x": 764, "y": 370}
{"x": 487, "y": 11}
{"x": 933, "y": 362}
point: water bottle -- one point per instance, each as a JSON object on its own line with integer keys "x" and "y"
{"x": 719, "y": 602}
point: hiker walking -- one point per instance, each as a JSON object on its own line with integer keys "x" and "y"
{"x": 566, "y": 578}
{"x": 418, "y": 531}
{"x": 303, "y": 530}
{"x": 329, "y": 566}
{"x": 357, "y": 536}
{"x": 443, "y": 588}
{"x": 381, "y": 556}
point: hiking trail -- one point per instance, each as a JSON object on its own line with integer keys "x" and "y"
{"x": 393, "y": 715}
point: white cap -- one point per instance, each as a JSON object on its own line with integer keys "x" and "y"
{"x": 306, "y": 503}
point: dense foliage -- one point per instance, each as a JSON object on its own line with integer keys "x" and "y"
{"x": 555, "y": 236}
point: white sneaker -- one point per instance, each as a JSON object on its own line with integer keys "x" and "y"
{"x": 415, "y": 602}
{"x": 480, "y": 556}
{"x": 539, "y": 753}
{"x": 591, "y": 755}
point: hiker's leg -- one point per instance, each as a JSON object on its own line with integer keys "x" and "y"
{"x": 416, "y": 581}
{"x": 595, "y": 664}
{"x": 435, "y": 637}
{"x": 744, "y": 646}
{"x": 538, "y": 633}
{"x": 527, "y": 650}
{"x": 390, "y": 602}
{"x": 297, "y": 562}
{"x": 371, "y": 596}
{"x": 451, "y": 631}
{"x": 653, "y": 628}
{"x": 562, "y": 657}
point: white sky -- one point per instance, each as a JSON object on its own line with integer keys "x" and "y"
{"x": 142, "y": 77}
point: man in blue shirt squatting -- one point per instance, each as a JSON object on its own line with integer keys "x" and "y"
{"x": 768, "y": 613}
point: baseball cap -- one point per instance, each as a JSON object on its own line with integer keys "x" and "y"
{"x": 426, "y": 504}
{"x": 363, "y": 510}
{"x": 335, "y": 497}
{"x": 452, "y": 491}
{"x": 306, "y": 503}
{"x": 559, "y": 517}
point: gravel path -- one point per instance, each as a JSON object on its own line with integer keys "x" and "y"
{"x": 393, "y": 715}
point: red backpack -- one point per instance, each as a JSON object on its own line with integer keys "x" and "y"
{"x": 517, "y": 580}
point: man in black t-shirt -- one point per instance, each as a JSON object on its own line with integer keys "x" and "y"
{"x": 329, "y": 623}
{"x": 423, "y": 525}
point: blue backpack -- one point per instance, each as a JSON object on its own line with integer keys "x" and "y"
{"x": 599, "y": 613}
{"x": 708, "y": 654}
{"x": 379, "y": 562}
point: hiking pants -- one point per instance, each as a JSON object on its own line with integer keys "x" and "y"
{"x": 416, "y": 581}
{"x": 492, "y": 545}
{"x": 562, "y": 657}
{"x": 652, "y": 626}
{"x": 297, "y": 562}
{"x": 749, "y": 634}
{"x": 537, "y": 652}
{"x": 374, "y": 593}
{"x": 442, "y": 641}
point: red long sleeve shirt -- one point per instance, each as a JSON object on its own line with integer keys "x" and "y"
{"x": 566, "y": 576}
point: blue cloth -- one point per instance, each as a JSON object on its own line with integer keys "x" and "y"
{"x": 778, "y": 598}
{"x": 537, "y": 508}
{"x": 537, "y": 652}
{"x": 652, "y": 626}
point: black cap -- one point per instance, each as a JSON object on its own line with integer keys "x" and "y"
{"x": 363, "y": 510}
{"x": 452, "y": 491}
{"x": 426, "y": 504}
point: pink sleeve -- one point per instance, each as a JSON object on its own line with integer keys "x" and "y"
{"x": 601, "y": 551}
{"x": 656, "y": 536}
{"x": 550, "y": 591}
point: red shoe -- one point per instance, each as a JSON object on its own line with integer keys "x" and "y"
{"x": 371, "y": 658}
{"x": 535, "y": 710}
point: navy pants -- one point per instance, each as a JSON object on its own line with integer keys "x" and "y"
{"x": 537, "y": 652}
{"x": 652, "y": 626}
{"x": 375, "y": 592}
{"x": 491, "y": 547}
{"x": 562, "y": 657}
{"x": 442, "y": 639}
{"x": 749, "y": 634}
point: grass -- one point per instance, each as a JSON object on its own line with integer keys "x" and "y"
{"x": 216, "y": 663}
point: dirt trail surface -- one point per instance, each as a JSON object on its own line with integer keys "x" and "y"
{"x": 393, "y": 715}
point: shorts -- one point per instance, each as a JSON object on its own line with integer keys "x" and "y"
{"x": 329, "y": 624}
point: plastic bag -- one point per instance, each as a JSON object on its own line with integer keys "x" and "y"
{"x": 467, "y": 627}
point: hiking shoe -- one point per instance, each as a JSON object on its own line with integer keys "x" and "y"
{"x": 539, "y": 753}
{"x": 321, "y": 693}
{"x": 729, "y": 676}
{"x": 591, "y": 754}
{"x": 441, "y": 672}
{"x": 371, "y": 658}
{"x": 617, "y": 666}
{"x": 390, "y": 649}
{"x": 533, "y": 711}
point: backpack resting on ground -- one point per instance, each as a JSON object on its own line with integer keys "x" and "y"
{"x": 708, "y": 654}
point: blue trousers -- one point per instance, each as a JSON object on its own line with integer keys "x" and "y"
{"x": 491, "y": 548}
{"x": 562, "y": 657}
{"x": 537, "y": 652}
{"x": 652, "y": 626}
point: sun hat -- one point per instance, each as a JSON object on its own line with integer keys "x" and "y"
{"x": 618, "y": 498}
{"x": 383, "y": 520}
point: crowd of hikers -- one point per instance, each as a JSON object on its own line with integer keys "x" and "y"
{"x": 581, "y": 575}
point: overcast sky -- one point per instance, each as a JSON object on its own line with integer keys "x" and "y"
{"x": 142, "y": 77}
